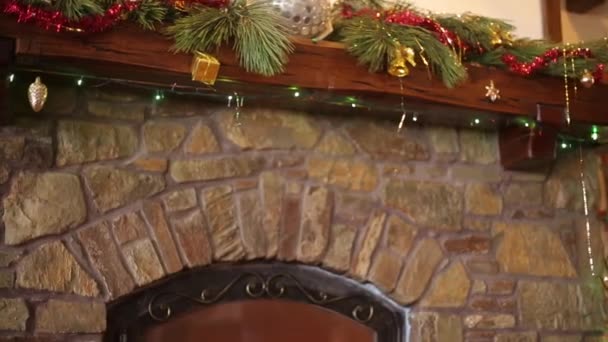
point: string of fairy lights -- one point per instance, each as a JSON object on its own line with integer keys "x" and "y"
{"x": 236, "y": 101}
{"x": 405, "y": 116}
{"x": 412, "y": 117}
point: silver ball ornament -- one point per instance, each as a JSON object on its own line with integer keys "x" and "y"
{"x": 306, "y": 18}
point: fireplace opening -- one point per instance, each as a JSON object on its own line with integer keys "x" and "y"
{"x": 255, "y": 303}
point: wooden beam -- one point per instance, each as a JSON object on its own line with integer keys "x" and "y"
{"x": 7, "y": 51}
{"x": 582, "y": 6}
{"x": 323, "y": 66}
{"x": 553, "y": 20}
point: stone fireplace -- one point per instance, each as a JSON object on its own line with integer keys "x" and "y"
{"x": 106, "y": 193}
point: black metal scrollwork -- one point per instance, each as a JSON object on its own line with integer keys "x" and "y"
{"x": 256, "y": 286}
{"x": 129, "y": 318}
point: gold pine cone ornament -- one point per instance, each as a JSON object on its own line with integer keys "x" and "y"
{"x": 37, "y": 94}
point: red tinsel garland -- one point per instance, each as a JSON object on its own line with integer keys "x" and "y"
{"x": 550, "y": 56}
{"x": 445, "y": 36}
{"x": 411, "y": 18}
{"x": 55, "y": 20}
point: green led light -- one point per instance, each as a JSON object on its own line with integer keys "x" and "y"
{"x": 564, "y": 146}
{"x": 353, "y": 105}
{"x": 296, "y": 94}
{"x": 79, "y": 82}
{"x": 158, "y": 97}
{"x": 595, "y": 136}
{"x": 476, "y": 122}
{"x": 527, "y": 124}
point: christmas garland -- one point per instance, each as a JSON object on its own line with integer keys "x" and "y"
{"x": 256, "y": 31}
{"x": 382, "y": 36}
{"x": 71, "y": 20}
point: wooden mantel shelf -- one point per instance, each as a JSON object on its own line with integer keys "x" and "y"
{"x": 325, "y": 65}
{"x": 128, "y": 52}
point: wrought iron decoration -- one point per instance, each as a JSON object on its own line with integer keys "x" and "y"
{"x": 257, "y": 286}
{"x": 131, "y": 317}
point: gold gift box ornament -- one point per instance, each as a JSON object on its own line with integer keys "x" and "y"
{"x": 205, "y": 68}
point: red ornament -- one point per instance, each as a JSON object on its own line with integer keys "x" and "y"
{"x": 542, "y": 61}
{"x": 56, "y": 21}
{"x": 598, "y": 74}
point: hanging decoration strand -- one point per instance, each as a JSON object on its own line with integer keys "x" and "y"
{"x": 566, "y": 88}
{"x": 238, "y": 104}
{"x": 403, "y": 113}
{"x": 586, "y": 210}
{"x": 575, "y": 84}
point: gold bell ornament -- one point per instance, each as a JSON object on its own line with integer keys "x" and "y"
{"x": 205, "y": 68}
{"x": 399, "y": 59}
{"x": 180, "y": 5}
{"x": 587, "y": 79}
{"x": 500, "y": 37}
{"x": 36, "y": 94}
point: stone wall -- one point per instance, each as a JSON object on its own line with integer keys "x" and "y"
{"x": 105, "y": 192}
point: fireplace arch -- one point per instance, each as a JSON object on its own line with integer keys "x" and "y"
{"x": 425, "y": 215}
{"x": 225, "y": 302}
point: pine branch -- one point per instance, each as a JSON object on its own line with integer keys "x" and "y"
{"x": 76, "y": 9}
{"x": 261, "y": 41}
{"x": 258, "y": 34}
{"x": 373, "y": 41}
{"x": 599, "y": 48}
{"x": 71, "y": 9}
{"x": 203, "y": 29}
{"x": 475, "y": 29}
{"x": 149, "y": 13}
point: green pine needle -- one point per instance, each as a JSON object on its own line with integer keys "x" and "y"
{"x": 258, "y": 34}
{"x": 76, "y": 9}
{"x": 149, "y": 13}
{"x": 72, "y": 9}
{"x": 474, "y": 29}
{"x": 372, "y": 42}
{"x": 261, "y": 40}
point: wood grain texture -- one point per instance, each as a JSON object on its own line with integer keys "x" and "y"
{"x": 582, "y": 6}
{"x": 6, "y": 56}
{"x": 321, "y": 66}
{"x": 553, "y": 20}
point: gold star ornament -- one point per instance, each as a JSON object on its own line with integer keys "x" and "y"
{"x": 492, "y": 93}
